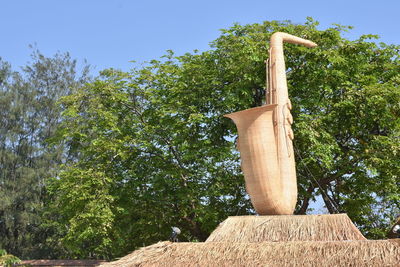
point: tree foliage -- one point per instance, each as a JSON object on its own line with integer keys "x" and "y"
{"x": 8, "y": 260}
{"x": 154, "y": 150}
{"x": 29, "y": 116}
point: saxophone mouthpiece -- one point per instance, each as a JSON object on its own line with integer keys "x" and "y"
{"x": 279, "y": 37}
{"x": 310, "y": 44}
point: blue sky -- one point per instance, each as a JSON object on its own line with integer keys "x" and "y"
{"x": 111, "y": 33}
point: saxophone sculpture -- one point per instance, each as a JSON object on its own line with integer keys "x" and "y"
{"x": 265, "y": 139}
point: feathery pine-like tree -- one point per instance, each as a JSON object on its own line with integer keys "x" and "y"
{"x": 29, "y": 117}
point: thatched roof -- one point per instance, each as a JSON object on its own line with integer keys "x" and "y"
{"x": 327, "y": 227}
{"x": 309, "y": 240}
{"x": 295, "y": 253}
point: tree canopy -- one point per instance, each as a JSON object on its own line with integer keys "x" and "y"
{"x": 29, "y": 116}
{"x": 151, "y": 149}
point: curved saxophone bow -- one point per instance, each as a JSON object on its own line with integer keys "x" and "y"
{"x": 265, "y": 139}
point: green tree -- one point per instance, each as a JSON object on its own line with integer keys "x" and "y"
{"x": 7, "y": 260}
{"x": 155, "y": 151}
{"x": 29, "y": 116}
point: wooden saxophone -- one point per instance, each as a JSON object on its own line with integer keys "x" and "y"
{"x": 265, "y": 138}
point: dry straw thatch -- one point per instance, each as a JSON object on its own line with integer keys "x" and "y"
{"x": 310, "y": 240}
{"x": 328, "y": 227}
{"x": 294, "y": 253}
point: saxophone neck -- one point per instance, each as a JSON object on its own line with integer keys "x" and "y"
{"x": 278, "y": 38}
{"x": 276, "y": 70}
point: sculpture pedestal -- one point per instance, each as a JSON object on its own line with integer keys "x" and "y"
{"x": 281, "y": 228}
{"x": 285, "y": 240}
